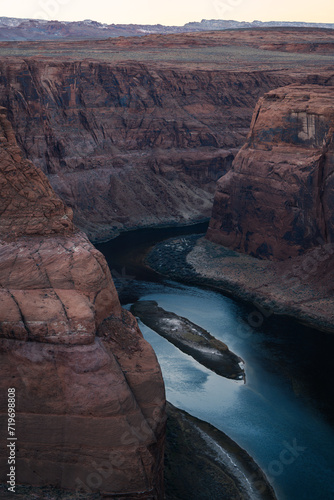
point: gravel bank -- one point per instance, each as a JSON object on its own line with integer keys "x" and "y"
{"x": 283, "y": 288}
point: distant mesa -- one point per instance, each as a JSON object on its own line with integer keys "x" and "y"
{"x": 33, "y": 29}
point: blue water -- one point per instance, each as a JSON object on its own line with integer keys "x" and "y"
{"x": 272, "y": 416}
{"x": 284, "y": 414}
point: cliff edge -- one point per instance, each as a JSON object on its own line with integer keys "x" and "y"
{"x": 130, "y": 145}
{"x": 277, "y": 201}
{"x": 90, "y": 403}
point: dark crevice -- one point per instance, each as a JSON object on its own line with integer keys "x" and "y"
{"x": 62, "y": 305}
{"x": 321, "y": 186}
{"x": 24, "y": 321}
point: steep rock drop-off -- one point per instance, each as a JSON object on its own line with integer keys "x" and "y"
{"x": 277, "y": 201}
{"x": 130, "y": 144}
{"x": 276, "y": 205}
{"x": 89, "y": 392}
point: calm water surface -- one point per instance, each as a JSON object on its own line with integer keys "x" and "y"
{"x": 283, "y": 415}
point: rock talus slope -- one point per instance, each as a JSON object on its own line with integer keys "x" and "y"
{"x": 277, "y": 201}
{"x": 89, "y": 392}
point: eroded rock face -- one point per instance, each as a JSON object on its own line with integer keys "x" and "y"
{"x": 89, "y": 391}
{"x": 129, "y": 145}
{"x": 278, "y": 199}
{"x": 55, "y": 286}
{"x": 55, "y": 289}
{"x": 90, "y": 417}
{"x": 28, "y": 203}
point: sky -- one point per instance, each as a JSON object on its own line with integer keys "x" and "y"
{"x": 170, "y": 12}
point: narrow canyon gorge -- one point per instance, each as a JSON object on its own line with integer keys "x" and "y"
{"x": 104, "y": 137}
{"x": 133, "y": 143}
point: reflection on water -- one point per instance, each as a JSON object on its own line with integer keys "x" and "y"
{"x": 281, "y": 427}
{"x": 282, "y": 415}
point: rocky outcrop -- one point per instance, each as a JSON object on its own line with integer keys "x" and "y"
{"x": 277, "y": 201}
{"x": 28, "y": 204}
{"x": 191, "y": 339}
{"x": 89, "y": 392}
{"x": 55, "y": 287}
{"x": 213, "y": 466}
{"x": 130, "y": 144}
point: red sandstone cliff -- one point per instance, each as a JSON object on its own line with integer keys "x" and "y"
{"x": 128, "y": 145}
{"x": 136, "y": 131}
{"x": 89, "y": 392}
{"x": 277, "y": 201}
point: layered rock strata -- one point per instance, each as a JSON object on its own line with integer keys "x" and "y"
{"x": 130, "y": 144}
{"x": 89, "y": 392}
{"x": 277, "y": 201}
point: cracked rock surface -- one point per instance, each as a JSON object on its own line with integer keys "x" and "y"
{"x": 90, "y": 397}
{"x": 55, "y": 286}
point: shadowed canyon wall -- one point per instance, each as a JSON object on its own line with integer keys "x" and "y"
{"x": 277, "y": 201}
{"x": 89, "y": 391}
{"x": 128, "y": 145}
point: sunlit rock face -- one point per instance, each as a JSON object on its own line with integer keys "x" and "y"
{"x": 277, "y": 201}
{"x": 89, "y": 392}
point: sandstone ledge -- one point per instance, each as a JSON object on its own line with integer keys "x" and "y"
{"x": 55, "y": 289}
{"x": 86, "y": 409}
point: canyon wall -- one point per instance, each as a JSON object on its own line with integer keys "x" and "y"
{"x": 277, "y": 201}
{"x": 131, "y": 144}
{"x": 89, "y": 391}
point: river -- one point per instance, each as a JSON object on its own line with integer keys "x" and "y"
{"x": 284, "y": 414}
